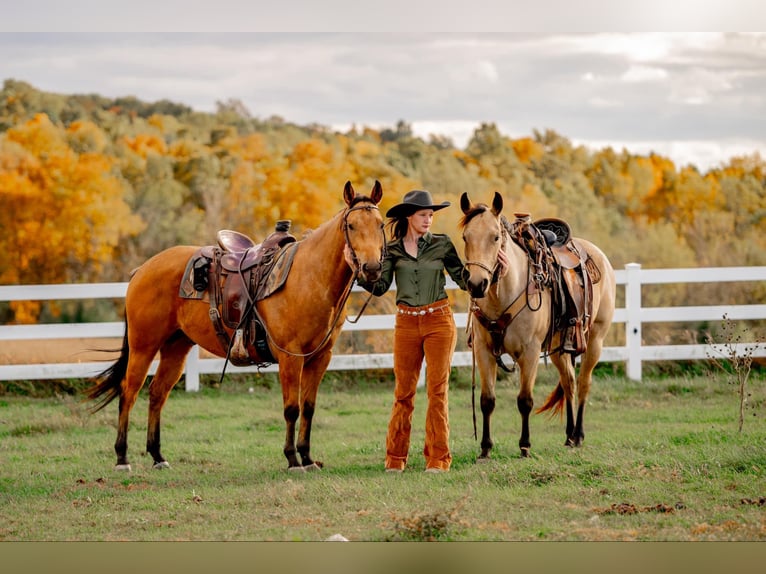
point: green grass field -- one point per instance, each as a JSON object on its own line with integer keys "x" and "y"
{"x": 662, "y": 461}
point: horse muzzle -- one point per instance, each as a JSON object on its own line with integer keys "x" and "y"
{"x": 477, "y": 288}
{"x": 371, "y": 272}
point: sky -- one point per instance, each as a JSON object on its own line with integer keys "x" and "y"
{"x": 696, "y": 96}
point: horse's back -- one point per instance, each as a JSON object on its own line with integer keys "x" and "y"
{"x": 161, "y": 273}
{"x": 152, "y": 303}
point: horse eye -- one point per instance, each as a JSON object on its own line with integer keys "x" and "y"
{"x": 497, "y": 238}
{"x": 350, "y": 227}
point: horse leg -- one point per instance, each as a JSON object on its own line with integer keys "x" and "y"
{"x": 588, "y": 363}
{"x": 172, "y": 359}
{"x": 138, "y": 367}
{"x": 290, "y": 373}
{"x": 565, "y": 366}
{"x": 524, "y": 401}
{"x": 487, "y": 366}
{"x": 310, "y": 380}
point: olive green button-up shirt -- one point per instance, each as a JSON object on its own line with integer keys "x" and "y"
{"x": 421, "y": 280}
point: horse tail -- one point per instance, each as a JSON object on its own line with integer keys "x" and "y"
{"x": 108, "y": 384}
{"x": 554, "y": 402}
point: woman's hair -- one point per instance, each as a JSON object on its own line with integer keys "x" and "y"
{"x": 397, "y": 227}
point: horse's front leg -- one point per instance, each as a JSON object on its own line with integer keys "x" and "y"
{"x": 312, "y": 377}
{"x": 487, "y": 367}
{"x": 524, "y": 401}
{"x": 290, "y": 376}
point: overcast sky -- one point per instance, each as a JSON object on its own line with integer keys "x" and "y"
{"x": 696, "y": 97}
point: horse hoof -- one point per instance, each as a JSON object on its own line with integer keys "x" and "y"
{"x": 524, "y": 452}
{"x": 483, "y": 460}
{"x": 123, "y": 467}
{"x": 296, "y": 469}
{"x": 313, "y": 466}
{"x": 161, "y": 465}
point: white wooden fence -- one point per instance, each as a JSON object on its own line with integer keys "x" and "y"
{"x": 632, "y": 316}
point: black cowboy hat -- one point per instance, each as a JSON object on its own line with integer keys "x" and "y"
{"x": 413, "y": 201}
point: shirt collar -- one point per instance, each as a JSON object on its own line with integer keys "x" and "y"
{"x": 427, "y": 239}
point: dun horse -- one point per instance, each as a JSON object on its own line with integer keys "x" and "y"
{"x": 517, "y": 313}
{"x": 302, "y": 320}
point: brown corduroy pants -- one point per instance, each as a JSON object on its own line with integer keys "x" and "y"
{"x": 432, "y": 336}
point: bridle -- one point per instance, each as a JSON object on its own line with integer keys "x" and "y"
{"x": 495, "y": 270}
{"x": 365, "y": 205}
{"x": 355, "y": 259}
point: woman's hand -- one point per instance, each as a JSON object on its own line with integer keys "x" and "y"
{"x": 503, "y": 263}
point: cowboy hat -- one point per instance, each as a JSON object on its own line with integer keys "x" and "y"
{"x": 414, "y": 201}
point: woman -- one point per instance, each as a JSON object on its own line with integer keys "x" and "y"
{"x": 425, "y": 327}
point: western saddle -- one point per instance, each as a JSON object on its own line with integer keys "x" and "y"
{"x": 233, "y": 275}
{"x": 558, "y": 262}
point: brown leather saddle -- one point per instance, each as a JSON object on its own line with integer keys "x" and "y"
{"x": 233, "y": 276}
{"x": 560, "y": 263}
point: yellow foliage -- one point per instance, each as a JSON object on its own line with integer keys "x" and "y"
{"x": 527, "y": 150}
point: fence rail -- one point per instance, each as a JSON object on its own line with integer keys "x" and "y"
{"x": 633, "y": 316}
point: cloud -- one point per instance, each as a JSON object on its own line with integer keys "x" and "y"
{"x": 591, "y": 87}
{"x": 638, "y": 74}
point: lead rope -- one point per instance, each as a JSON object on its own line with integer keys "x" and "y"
{"x": 473, "y": 388}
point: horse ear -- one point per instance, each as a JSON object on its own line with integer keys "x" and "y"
{"x": 377, "y": 192}
{"x": 348, "y": 193}
{"x": 497, "y": 204}
{"x": 465, "y": 203}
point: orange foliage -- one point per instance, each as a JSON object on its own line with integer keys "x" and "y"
{"x": 68, "y": 211}
{"x": 144, "y": 144}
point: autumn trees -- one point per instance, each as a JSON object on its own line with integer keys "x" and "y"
{"x": 90, "y": 186}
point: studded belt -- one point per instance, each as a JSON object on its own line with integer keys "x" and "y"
{"x": 424, "y": 310}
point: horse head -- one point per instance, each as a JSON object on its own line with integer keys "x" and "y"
{"x": 483, "y": 235}
{"x": 363, "y": 229}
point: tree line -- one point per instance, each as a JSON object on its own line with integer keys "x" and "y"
{"x": 91, "y": 187}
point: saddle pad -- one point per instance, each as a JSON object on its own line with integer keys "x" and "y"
{"x": 278, "y": 274}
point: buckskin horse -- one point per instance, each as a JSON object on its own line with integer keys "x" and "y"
{"x": 302, "y": 320}
{"x": 557, "y": 299}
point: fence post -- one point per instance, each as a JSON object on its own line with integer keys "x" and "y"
{"x": 192, "y": 369}
{"x": 633, "y": 320}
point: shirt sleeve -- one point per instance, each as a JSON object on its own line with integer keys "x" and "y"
{"x": 453, "y": 265}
